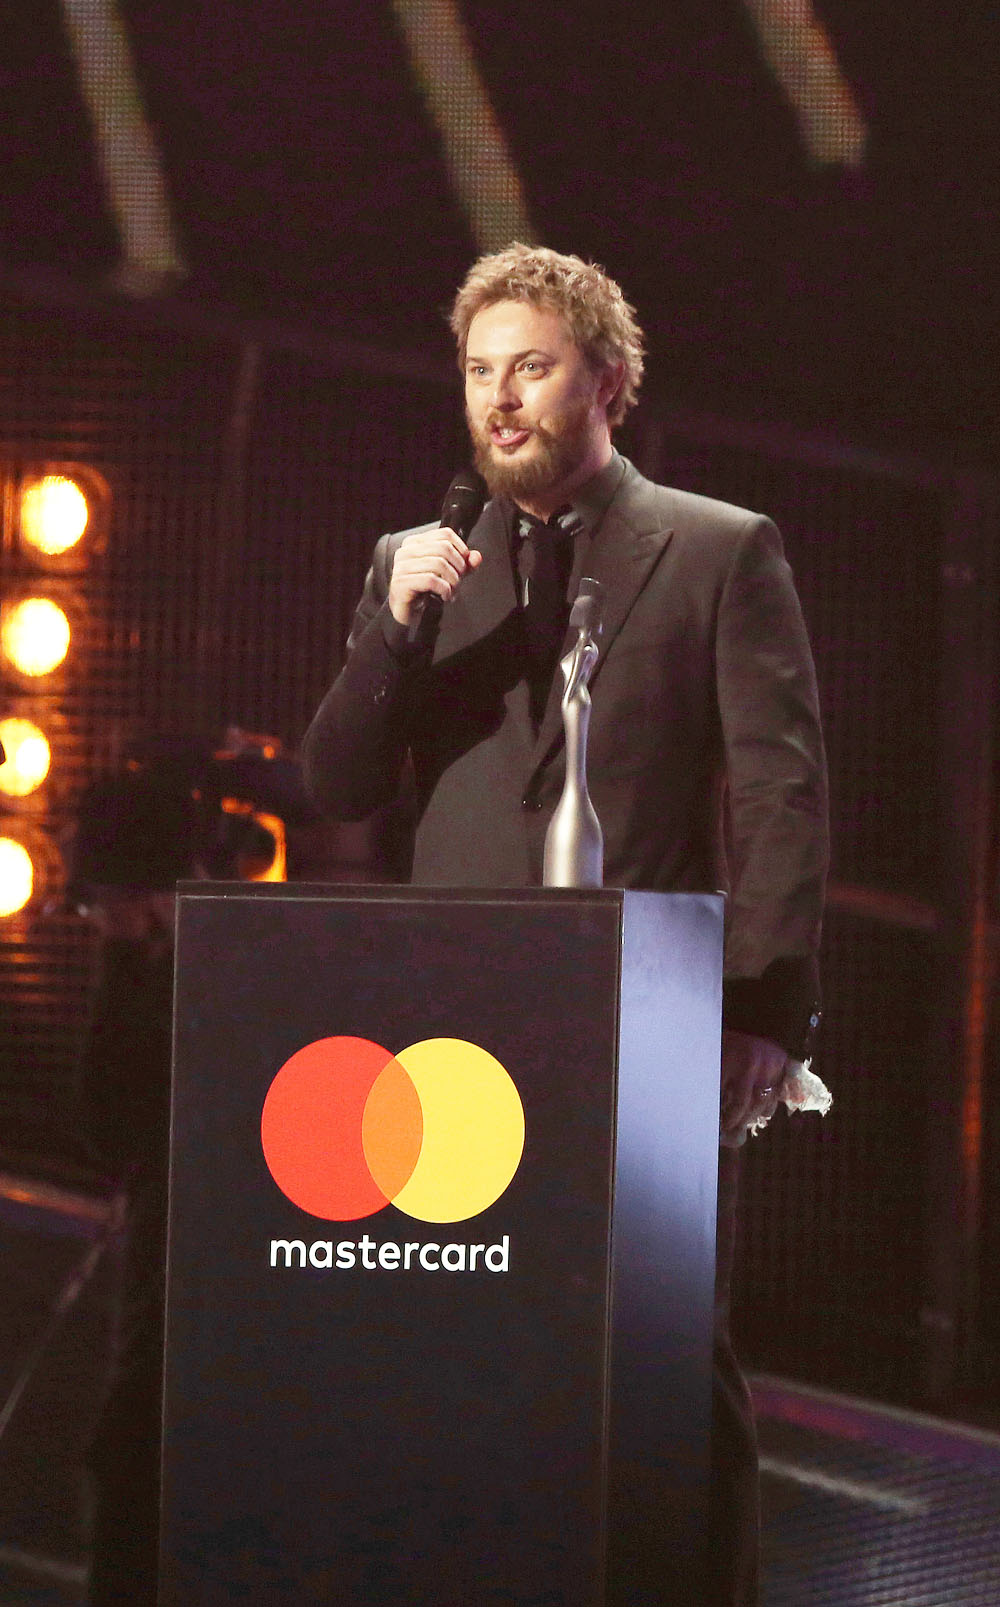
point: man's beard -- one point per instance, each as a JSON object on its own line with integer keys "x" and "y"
{"x": 555, "y": 457}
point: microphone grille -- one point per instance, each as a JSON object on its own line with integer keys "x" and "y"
{"x": 464, "y": 501}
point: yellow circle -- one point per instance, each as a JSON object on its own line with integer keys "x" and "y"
{"x": 473, "y": 1130}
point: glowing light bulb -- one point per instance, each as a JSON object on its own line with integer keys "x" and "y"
{"x": 35, "y": 636}
{"x": 54, "y": 514}
{"x": 17, "y": 876}
{"x": 28, "y": 757}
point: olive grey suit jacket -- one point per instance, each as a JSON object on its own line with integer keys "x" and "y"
{"x": 706, "y": 762}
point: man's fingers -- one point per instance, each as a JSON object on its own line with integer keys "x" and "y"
{"x": 442, "y": 554}
{"x": 752, "y": 1073}
{"x": 423, "y": 573}
{"x": 434, "y": 542}
{"x": 433, "y": 562}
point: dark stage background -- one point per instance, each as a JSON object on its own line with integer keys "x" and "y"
{"x": 262, "y": 403}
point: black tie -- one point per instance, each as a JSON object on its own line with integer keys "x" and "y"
{"x": 544, "y": 565}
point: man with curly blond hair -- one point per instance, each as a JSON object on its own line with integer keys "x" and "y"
{"x": 601, "y": 321}
{"x": 704, "y": 728}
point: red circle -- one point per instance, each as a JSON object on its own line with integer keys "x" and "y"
{"x": 311, "y": 1128}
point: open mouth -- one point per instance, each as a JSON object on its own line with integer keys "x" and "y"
{"x": 508, "y": 437}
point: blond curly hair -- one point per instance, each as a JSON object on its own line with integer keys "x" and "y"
{"x": 601, "y": 321}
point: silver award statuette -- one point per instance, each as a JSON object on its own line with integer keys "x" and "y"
{"x": 574, "y": 842}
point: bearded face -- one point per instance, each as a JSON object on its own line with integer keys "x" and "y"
{"x": 555, "y": 449}
{"x": 535, "y": 407}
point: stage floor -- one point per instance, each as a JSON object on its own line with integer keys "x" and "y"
{"x": 863, "y": 1505}
{"x": 868, "y": 1506}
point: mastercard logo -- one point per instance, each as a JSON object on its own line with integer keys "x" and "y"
{"x": 436, "y": 1130}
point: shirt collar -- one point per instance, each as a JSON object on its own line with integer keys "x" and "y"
{"x": 590, "y": 501}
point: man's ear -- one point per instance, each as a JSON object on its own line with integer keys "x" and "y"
{"x": 611, "y": 379}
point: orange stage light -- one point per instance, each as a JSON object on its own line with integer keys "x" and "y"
{"x": 35, "y": 635}
{"x": 54, "y": 514}
{"x": 28, "y": 757}
{"x": 17, "y": 876}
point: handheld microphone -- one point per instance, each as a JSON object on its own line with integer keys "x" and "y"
{"x": 463, "y": 503}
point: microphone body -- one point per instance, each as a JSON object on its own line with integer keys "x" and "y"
{"x": 463, "y": 503}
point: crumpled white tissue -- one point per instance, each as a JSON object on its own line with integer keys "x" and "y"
{"x": 800, "y": 1090}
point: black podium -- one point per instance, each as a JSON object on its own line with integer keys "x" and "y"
{"x": 441, "y": 1252}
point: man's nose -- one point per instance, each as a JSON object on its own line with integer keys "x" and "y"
{"x": 505, "y": 397}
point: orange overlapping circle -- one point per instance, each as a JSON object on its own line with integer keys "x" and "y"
{"x": 348, "y": 1127}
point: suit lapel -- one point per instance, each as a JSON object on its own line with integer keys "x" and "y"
{"x": 487, "y": 598}
{"x": 624, "y": 551}
{"x": 622, "y": 555}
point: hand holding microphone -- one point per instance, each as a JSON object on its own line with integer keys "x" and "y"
{"x": 429, "y": 567}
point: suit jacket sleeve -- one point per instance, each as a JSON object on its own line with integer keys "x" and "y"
{"x": 776, "y": 811}
{"x": 354, "y": 751}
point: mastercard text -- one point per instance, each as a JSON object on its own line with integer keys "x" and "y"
{"x": 388, "y": 1256}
